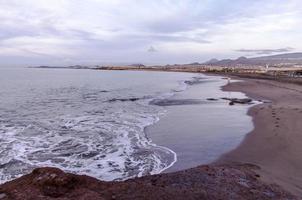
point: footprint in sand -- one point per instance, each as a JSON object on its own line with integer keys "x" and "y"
{"x": 276, "y": 124}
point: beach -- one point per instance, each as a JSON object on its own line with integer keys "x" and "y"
{"x": 199, "y": 125}
{"x": 150, "y": 100}
{"x": 275, "y": 144}
{"x": 265, "y": 165}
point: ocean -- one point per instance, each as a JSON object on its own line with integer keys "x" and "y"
{"x": 93, "y": 122}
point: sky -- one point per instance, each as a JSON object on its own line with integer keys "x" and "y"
{"x": 93, "y": 32}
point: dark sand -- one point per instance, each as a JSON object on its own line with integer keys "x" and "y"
{"x": 199, "y": 133}
{"x": 275, "y": 144}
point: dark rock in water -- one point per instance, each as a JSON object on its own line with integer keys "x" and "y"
{"x": 237, "y": 181}
{"x": 212, "y": 99}
{"x": 175, "y": 102}
{"x": 126, "y": 99}
{"x": 240, "y": 101}
{"x": 134, "y": 99}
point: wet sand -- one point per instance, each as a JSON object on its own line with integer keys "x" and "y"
{"x": 199, "y": 133}
{"x": 275, "y": 144}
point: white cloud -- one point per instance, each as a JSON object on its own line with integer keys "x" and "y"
{"x": 120, "y": 30}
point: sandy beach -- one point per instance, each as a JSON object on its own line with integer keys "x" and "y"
{"x": 266, "y": 165}
{"x": 275, "y": 144}
{"x": 199, "y": 133}
{"x": 150, "y": 100}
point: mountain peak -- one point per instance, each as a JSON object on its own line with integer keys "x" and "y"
{"x": 242, "y": 58}
{"x": 212, "y": 61}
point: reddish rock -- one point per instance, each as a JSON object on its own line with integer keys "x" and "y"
{"x": 204, "y": 182}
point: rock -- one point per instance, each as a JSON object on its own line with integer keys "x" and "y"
{"x": 236, "y": 181}
{"x": 212, "y": 99}
{"x": 237, "y": 100}
{"x": 53, "y": 182}
{"x": 126, "y": 99}
{"x": 175, "y": 102}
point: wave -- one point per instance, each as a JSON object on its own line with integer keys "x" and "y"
{"x": 105, "y": 140}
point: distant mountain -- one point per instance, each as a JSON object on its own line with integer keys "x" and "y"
{"x": 213, "y": 60}
{"x": 282, "y": 56}
{"x": 281, "y": 59}
{"x": 194, "y": 63}
{"x": 242, "y": 59}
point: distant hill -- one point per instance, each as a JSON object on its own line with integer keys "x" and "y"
{"x": 214, "y": 60}
{"x": 280, "y": 59}
{"x": 283, "y": 56}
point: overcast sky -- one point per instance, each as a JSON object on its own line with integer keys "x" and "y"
{"x": 63, "y": 32}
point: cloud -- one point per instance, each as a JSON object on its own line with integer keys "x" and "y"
{"x": 266, "y": 51}
{"x": 152, "y": 49}
{"x": 120, "y": 30}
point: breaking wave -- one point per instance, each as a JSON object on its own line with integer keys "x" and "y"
{"x": 89, "y": 131}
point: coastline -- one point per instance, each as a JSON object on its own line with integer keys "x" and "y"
{"x": 275, "y": 142}
{"x": 263, "y": 147}
{"x": 200, "y": 132}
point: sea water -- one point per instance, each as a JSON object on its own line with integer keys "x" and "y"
{"x": 84, "y": 121}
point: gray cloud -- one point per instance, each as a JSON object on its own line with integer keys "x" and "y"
{"x": 152, "y": 49}
{"x": 265, "y": 51}
{"x": 122, "y": 29}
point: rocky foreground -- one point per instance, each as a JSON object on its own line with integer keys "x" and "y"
{"x": 239, "y": 181}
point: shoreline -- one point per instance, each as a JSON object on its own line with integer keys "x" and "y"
{"x": 274, "y": 143}
{"x": 188, "y": 128}
{"x": 261, "y": 161}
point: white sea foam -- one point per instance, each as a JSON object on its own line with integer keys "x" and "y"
{"x": 79, "y": 131}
